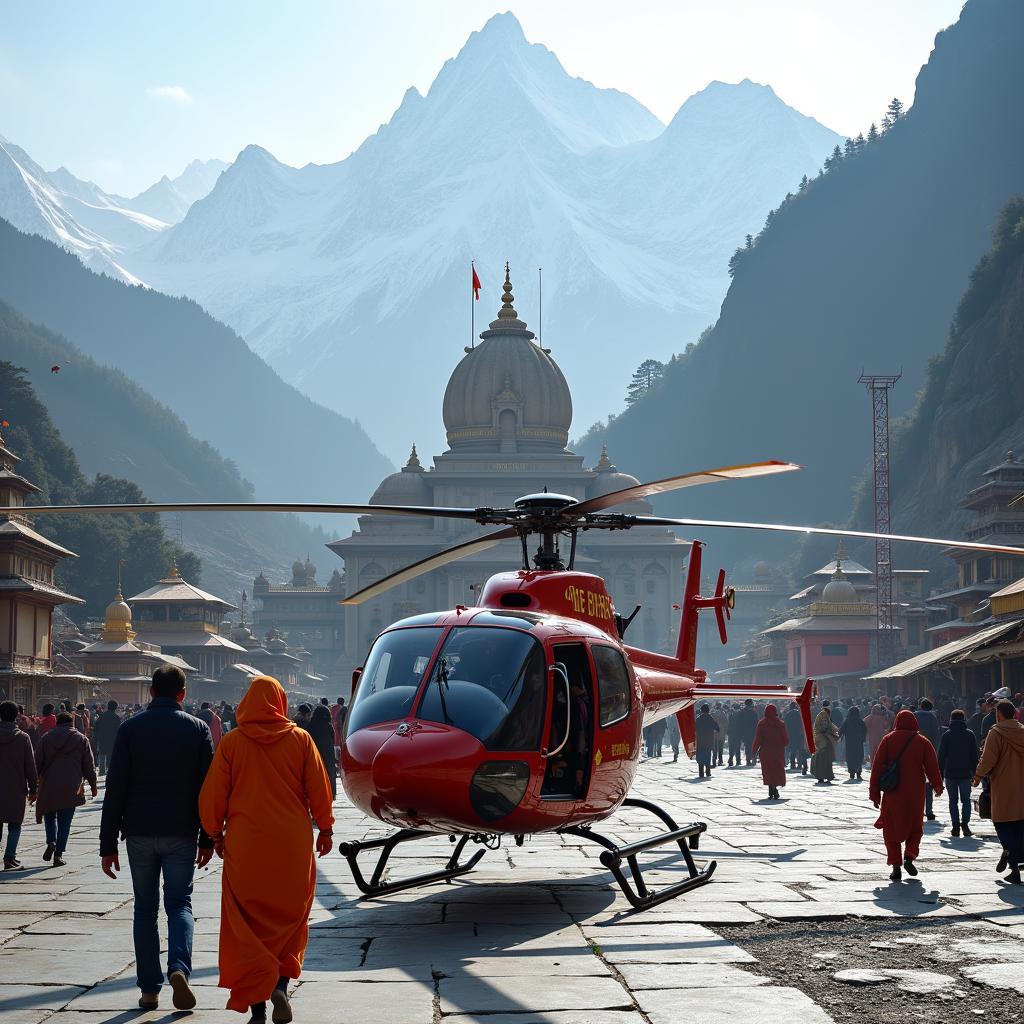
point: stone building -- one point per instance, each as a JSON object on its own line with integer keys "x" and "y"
{"x": 28, "y": 596}
{"x": 507, "y": 411}
{"x": 307, "y": 613}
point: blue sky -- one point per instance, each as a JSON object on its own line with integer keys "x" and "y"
{"x": 124, "y": 92}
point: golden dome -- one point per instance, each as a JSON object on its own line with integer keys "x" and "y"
{"x": 117, "y": 625}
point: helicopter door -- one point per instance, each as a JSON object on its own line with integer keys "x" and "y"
{"x": 572, "y": 716}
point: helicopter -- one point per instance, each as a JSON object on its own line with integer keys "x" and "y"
{"x": 523, "y": 715}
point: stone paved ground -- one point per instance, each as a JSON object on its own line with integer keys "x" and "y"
{"x": 537, "y": 934}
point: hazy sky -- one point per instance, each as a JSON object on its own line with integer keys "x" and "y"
{"x": 123, "y": 92}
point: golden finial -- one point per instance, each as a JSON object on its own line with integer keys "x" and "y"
{"x": 604, "y": 463}
{"x": 173, "y": 573}
{"x": 414, "y": 460}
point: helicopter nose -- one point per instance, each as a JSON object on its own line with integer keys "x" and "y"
{"x": 420, "y": 775}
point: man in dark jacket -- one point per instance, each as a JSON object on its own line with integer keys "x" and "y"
{"x": 17, "y": 780}
{"x": 159, "y": 762}
{"x": 928, "y": 724}
{"x": 958, "y": 758}
{"x": 978, "y": 718}
{"x": 104, "y": 730}
{"x": 747, "y": 720}
{"x": 707, "y": 729}
{"x": 793, "y": 721}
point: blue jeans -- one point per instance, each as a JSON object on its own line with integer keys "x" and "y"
{"x": 959, "y": 793}
{"x": 175, "y": 857}
{"x": 57, "y": 826}
{"x": 13, "y": 835}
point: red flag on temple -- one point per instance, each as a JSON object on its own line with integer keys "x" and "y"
{"x": 476, "y": 283}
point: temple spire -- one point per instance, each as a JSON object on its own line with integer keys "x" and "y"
{"x": 507, "y": 311}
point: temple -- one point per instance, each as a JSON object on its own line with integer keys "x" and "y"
{"x": 507, "y": 411}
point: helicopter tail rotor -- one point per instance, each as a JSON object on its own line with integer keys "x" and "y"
{"x": 804, "y": 703}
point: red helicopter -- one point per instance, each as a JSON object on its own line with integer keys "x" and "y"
{"x": 524, "y": 715}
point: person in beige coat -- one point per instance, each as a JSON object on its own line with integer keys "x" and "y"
{"x": 1002, "y": 760}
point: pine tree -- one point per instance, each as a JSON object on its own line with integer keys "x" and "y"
{"x": 894, "y": 111}
{"x": 835, "y": 159}
{"x": 860, "y": 141}
{"x": 873, "y": 132}
{"x": 849, "y": 147}
{"x": 750, "y": 241}
{"x": 803, "y": 183}
{"x": 646, "y": 376}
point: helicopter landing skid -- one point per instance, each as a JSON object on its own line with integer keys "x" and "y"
{"x": 375, "y": 887}
{"x": 639, "y": 896}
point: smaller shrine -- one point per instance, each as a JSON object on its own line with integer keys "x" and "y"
{"x": 127, "y": 662}
{"x": 182, "y": 620}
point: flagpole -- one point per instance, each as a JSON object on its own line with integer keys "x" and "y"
{"x": 472, "y": 306}
{"x": 540, "y": 310}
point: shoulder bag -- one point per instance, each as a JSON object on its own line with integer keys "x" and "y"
{"x": 890, "y": 778}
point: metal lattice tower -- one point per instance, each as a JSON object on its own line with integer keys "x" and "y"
{"x": 880, "y": 385}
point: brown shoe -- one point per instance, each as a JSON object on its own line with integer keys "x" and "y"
{"x": 149, "y": 1000}
{"x": 184, "y": 998}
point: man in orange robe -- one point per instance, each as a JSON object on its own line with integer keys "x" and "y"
{"x": 265, "y": 781}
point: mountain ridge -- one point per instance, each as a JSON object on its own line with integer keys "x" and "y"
{"x": 329, "y": 270}
{"x": 860, "y": 271}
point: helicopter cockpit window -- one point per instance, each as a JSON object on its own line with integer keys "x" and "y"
{"x": 612, "y": 684}
{"x": 394, "y": 668}
{"x": 491, "y": 683}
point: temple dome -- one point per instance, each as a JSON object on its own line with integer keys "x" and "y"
{"x": 507, "y": 393}
{"x": 839, "y": 590}
{"x": 609, "y": 479}
{"x": 407, "y": 487}
{"x": 118, "y": 610}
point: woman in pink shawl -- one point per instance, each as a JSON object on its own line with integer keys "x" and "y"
{"x": 877, "y": 725}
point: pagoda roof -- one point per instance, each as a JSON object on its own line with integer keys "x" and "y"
{"x": 9, "y": 474}
{"x": 14, "y": 529}
{"x": 829, "y": 624}
{"x": 198, "y": 638}
{"x": 175, "y": 590}
{"x": 847, "y": 566}
{"x": 1016, "y": 587}
{"x": 45, "y": 590}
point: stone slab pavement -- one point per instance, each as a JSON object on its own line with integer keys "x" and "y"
{"x": 538, "y": 933}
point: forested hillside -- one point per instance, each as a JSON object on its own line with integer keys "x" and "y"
{"x": 118, "y": 430}
{"x": 289, "y": 447}
{"x": 860, "y": 270}
{"x": 49, "y": 462}
{"x": 969, "y": 413}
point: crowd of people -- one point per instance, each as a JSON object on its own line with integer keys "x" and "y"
{"x": 248, "y": 782}
{"x": 915, "y": 749}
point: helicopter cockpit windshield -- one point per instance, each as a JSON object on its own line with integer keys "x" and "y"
{"x": 489, "y": 682}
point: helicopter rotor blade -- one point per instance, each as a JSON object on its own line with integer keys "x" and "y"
{"x": 824, "y": 531}
{"x": 410, "y": 572}
{"x": 675, "y": 483}
{"x": 248, "y": 506}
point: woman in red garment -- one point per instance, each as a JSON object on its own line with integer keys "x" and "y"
{"x": 770, "y": 742}
{"x": 902, "y": 817}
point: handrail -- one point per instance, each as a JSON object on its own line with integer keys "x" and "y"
{"x": 560, "y": 669}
